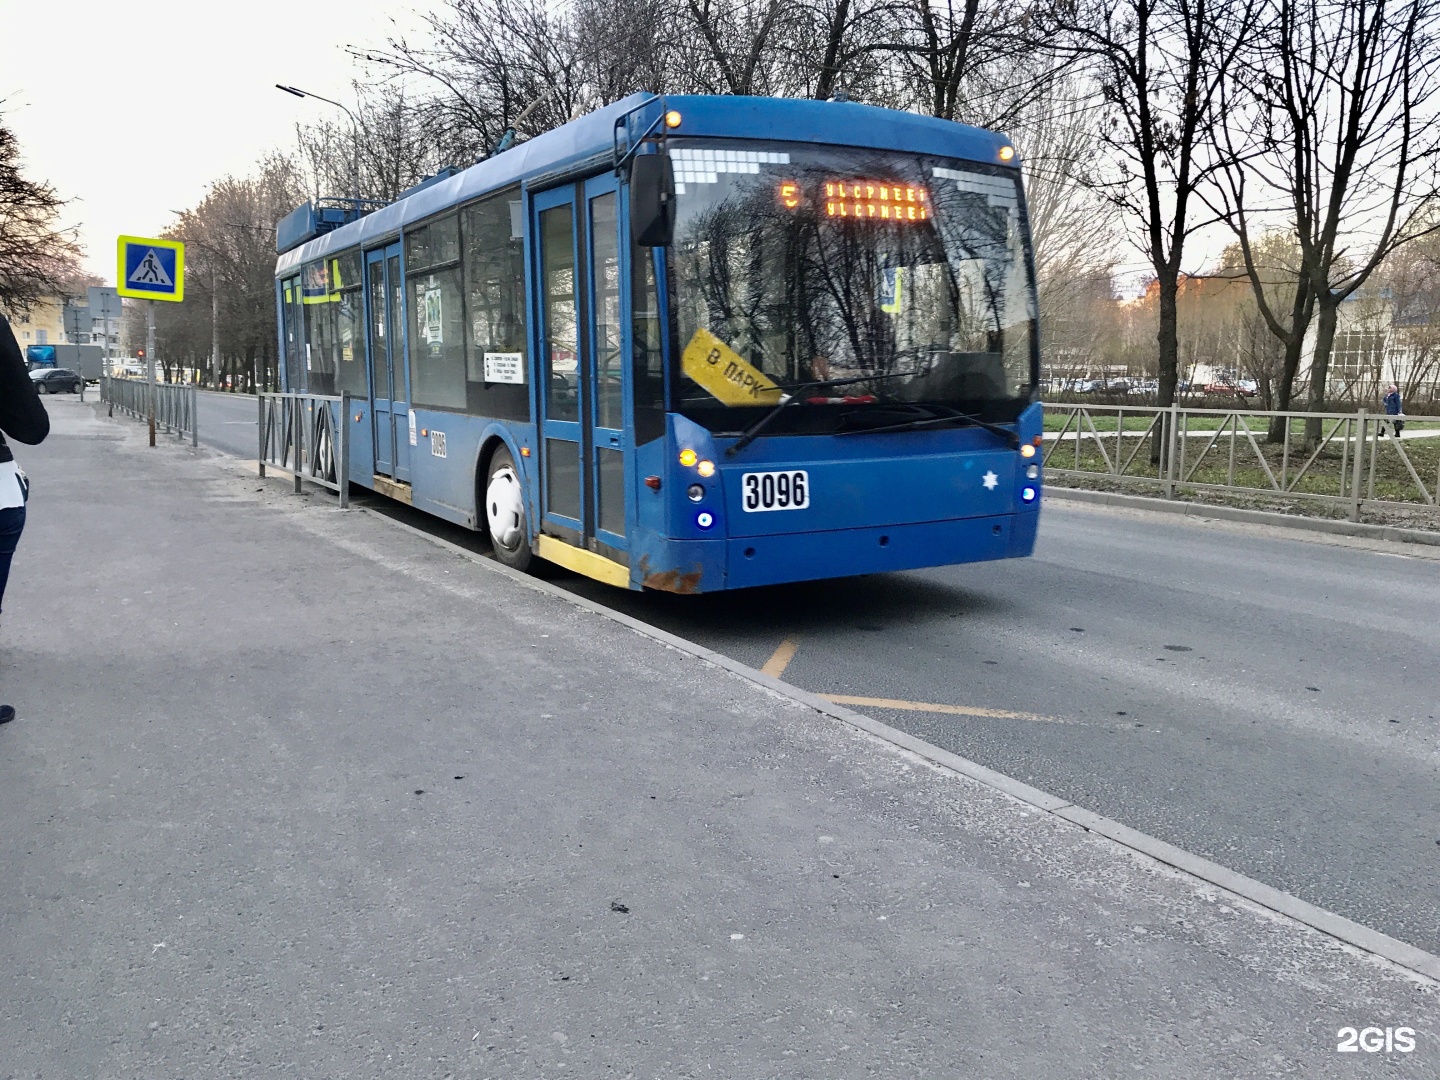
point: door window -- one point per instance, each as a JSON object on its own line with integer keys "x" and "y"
{"x": 605, "y": 266}
{"x": 562, "y": 353}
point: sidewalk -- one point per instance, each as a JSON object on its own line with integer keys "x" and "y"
{"x": 294, "y": 790}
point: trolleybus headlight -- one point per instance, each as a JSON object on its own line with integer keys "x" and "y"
{"x": 672, "y": 119}
{"x": 1027, "y": 450}
{"x": 1027, "y": 494}
{"x": 706, "y": 468}
{"x": 696, "y": 492}
{"x": 1032, "y": 471}
{"x": 688, "y": 458}
{"x": 1007, "y": 153}
{"x": 704, "y": 519}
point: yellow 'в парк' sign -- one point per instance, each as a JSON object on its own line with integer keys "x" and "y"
{"x": 725, "y": 374}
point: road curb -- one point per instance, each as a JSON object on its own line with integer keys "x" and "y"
{"x": 1402, "y": 955}
{"x": 1253, "y": 517}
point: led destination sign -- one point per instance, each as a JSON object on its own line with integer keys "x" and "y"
{"x": 867, "y": 199}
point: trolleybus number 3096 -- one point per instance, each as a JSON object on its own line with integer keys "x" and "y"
{"x": 776, "y": 490}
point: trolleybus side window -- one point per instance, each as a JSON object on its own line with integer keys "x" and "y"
{"x": 496, "y": 369}
{"x": 647, "y": 370}
{"x": 437, "y": 314}
{"x": 349, "y": 314}
{"x": 320, "y": 296}
{"x": 293, "y": 333}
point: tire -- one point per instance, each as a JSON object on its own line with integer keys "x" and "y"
{"x": 505, "y": 513}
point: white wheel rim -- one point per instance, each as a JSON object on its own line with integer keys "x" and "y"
{"x": 505, "y": 508}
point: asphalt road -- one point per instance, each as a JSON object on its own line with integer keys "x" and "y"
{"x": 1267, "y": 702}
{"x": 296, "y": 793}
{"x": 227, "y": 422}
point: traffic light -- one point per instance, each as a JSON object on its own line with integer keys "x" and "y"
{"x": 139, "y": 354}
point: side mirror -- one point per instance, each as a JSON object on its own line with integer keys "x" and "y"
{"x": 652, "y": 200}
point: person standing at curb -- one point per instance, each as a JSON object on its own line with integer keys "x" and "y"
{"x": 22, "y": 417}
{"x": 1392, "y": 408}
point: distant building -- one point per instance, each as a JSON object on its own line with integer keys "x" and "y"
{"x": 42, "y": 324}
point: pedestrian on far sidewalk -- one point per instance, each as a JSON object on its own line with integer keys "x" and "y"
{"x": 1392, "y": 408}
{"x": 23, "y": 418}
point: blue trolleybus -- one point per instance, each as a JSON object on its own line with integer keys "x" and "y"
{"x": 693, "y": 344}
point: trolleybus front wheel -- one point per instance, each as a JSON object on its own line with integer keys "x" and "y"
{"x": 505, "y": 512}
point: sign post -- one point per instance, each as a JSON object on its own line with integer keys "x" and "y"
{"x": 151, "y": 270}
{"x": 105, "y": 303}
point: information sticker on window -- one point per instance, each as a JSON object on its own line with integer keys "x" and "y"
{"x": 505, "y": 367}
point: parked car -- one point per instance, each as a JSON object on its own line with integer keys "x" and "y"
{"x": 55, "y": 380}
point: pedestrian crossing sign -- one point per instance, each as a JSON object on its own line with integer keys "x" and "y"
{"x": 151, "y": 269}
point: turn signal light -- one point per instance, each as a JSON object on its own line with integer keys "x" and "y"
{"x": 688, "y": 458}
{"x": 1027, "y": 450}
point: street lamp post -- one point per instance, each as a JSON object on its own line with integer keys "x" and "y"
{"x": 354, "y": 139}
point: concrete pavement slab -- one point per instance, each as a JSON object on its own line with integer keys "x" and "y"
{"x": 294, "y": 791}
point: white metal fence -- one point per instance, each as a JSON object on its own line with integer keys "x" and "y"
{"x": 1352, "y": 459}
{"x": 306, "y": 435}
{"x": 175, "y": 404}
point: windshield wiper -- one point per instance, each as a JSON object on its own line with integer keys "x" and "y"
{"x": 792, "y": 395}
{"x": 933, "y": 420}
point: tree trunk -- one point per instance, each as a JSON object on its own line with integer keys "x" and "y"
{"x": 1167, "y": 340}
{"x": 1301, "y": 311}
{"x": 1320, "y": 366}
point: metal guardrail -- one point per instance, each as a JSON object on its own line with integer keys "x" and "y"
{"x": 301, "y": 434}
{"x": 1352, "y": 459}
{"x": 176, "y": 404}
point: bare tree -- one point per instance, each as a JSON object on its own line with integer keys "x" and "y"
{"x": 37, "y": 257}
{"x": 1410, "y": 279}
{"x": 1074, "y": 230}
{"x": 1332, "y": 132}
{"x": 950, "y": 51}
{"x": 1161, "y": 65}
{"x": 230, "y": 255}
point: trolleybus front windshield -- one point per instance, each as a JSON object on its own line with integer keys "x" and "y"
{"x": 852, "y": 277}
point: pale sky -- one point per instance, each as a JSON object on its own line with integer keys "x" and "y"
{"x": 130, "y": 110}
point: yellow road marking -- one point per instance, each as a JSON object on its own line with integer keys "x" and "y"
{"x": 780, "y": 659}
{"x": 925, "y": 706}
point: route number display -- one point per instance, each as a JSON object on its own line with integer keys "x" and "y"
{"x": 789, "y": 490}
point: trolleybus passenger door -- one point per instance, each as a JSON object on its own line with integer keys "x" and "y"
{"x": 582, "y": 377}
{"x": 386, "y": 343}
{"x": 606, "y": 370}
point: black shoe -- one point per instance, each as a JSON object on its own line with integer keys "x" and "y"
{"x": 7, "y": 713}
